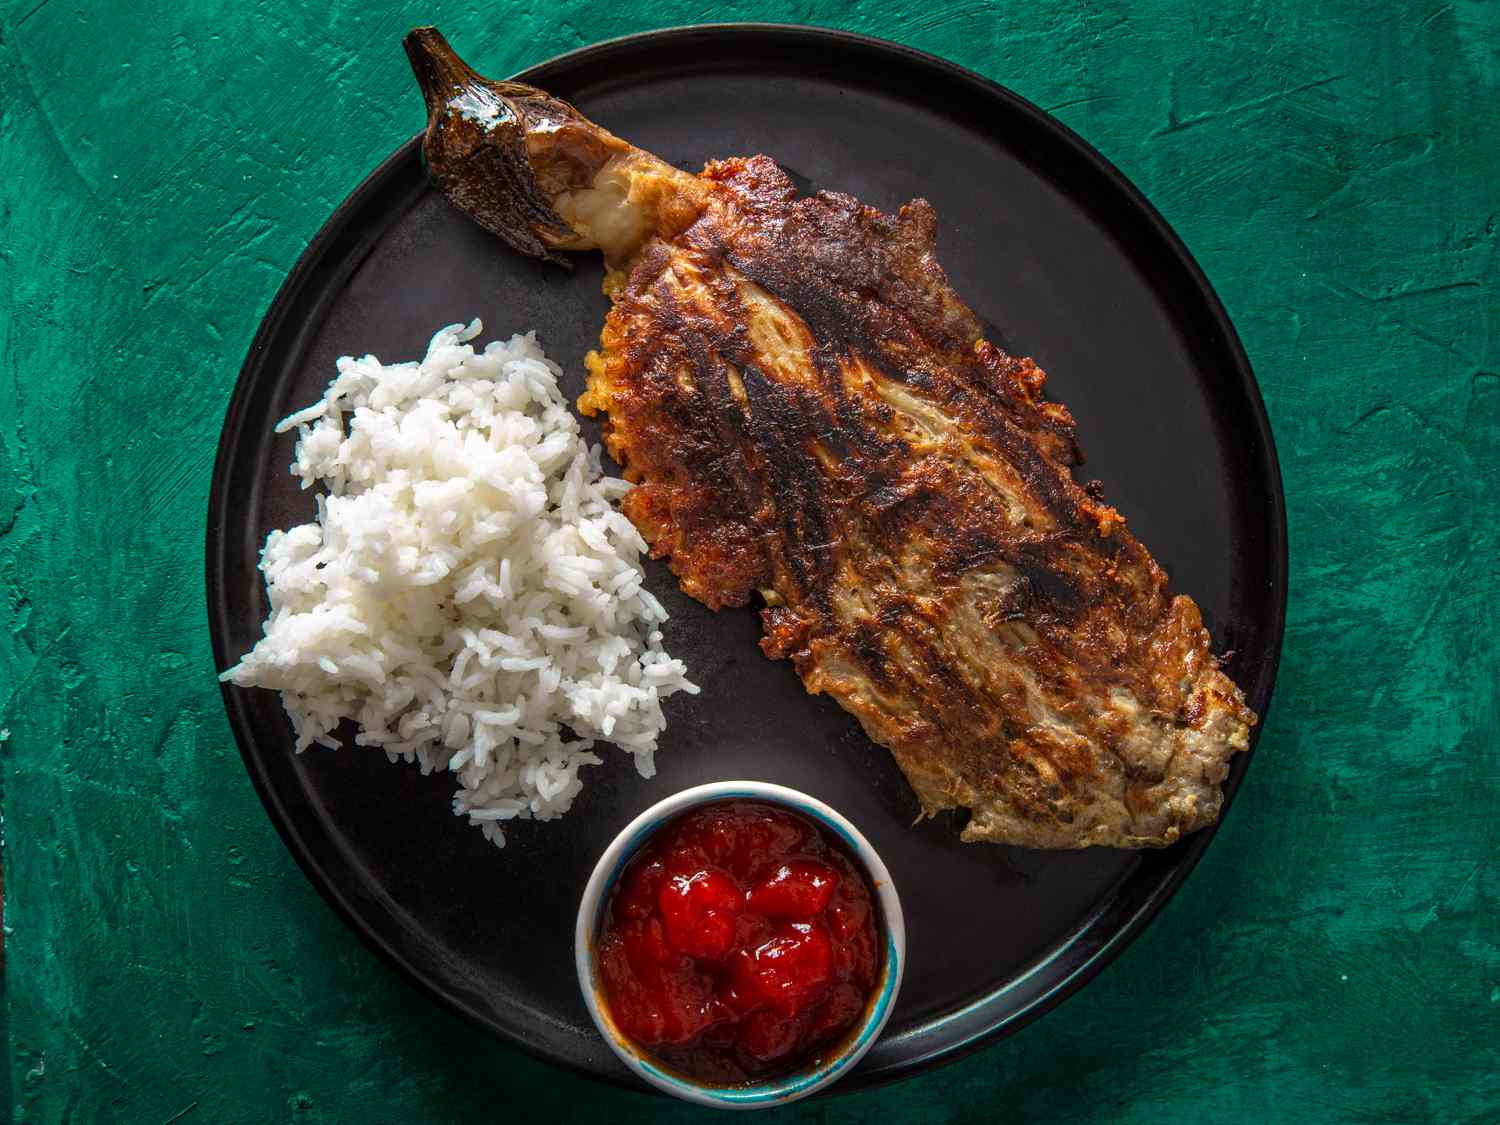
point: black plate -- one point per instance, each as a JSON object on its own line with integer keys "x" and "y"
{"x": 1067, "y": 263}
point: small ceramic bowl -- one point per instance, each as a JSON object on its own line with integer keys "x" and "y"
{"x": 784, "y": 1088}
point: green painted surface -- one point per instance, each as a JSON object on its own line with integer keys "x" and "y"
{"x": 1337, "y": 955}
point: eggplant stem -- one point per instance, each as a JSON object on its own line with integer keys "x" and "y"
{"x": 440, "y": 72}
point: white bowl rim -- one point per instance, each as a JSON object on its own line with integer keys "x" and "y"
{"x": 776, "y": 1091}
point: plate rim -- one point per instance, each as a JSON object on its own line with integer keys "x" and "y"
{"x": 989, "y": 1030}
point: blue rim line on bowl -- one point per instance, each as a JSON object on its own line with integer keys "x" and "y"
{"x": 773, "y": 1091}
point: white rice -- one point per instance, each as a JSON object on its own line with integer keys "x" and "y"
{"x": 468, "y": 594}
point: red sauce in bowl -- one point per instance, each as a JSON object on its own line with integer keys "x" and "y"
{"x": 738, "y": 943}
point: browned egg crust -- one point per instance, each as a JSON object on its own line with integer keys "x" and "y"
{"x": 811, "y": 412}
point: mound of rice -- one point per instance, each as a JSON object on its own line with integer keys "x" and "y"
{"x": 468, "y": 594}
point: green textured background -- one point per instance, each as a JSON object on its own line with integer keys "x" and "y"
{"x": 1337, "y": 955}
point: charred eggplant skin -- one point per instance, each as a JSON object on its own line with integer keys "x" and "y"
{"x": 531, "y": 169}
{"x": 477, "y": 152}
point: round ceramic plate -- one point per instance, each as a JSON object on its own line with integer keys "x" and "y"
{"x": 1063, "y": 260}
